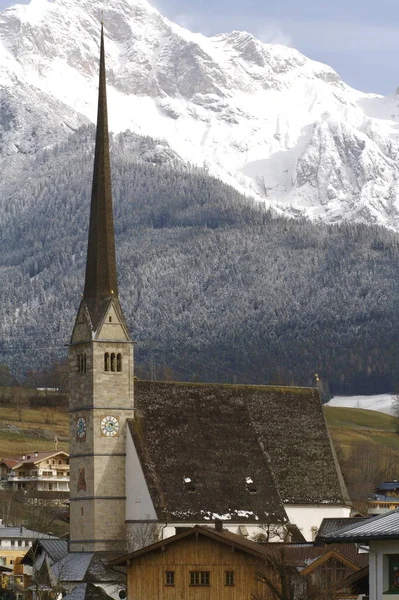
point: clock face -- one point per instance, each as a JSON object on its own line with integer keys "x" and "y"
{"x": 81, "y": 428}
{"x": 109, "y": 426}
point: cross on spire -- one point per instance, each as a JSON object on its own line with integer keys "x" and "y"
{"x": 101, "y": 281}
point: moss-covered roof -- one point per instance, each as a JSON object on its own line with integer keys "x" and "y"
{"x": 243, "y": 450}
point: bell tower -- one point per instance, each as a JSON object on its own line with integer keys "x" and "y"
{"x": 101, "y": 372}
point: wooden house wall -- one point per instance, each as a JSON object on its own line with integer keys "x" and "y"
{"x": 146, "y": 574}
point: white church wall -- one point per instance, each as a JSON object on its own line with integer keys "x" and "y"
{"x": 308, "y": 518}
{"x": 139, "y": 506}
{"x": 248, "y": 530}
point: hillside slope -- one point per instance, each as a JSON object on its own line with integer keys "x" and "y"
{"x": 212, "y": 286}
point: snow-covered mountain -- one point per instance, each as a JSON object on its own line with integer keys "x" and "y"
{"x": 262, "y": 117}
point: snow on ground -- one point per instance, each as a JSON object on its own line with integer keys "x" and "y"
{"x": 381, "y": 403}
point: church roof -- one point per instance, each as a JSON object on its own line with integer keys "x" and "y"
{"x": 232, "y": 452}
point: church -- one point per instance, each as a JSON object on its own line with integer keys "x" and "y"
{"x": 171, "y": 454}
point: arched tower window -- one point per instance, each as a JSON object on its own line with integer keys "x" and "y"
{"x": 113, "y": 362}
{"x": 81, "y": 363}
{"x": 78, "y": 362}
{"x": 84, "y": 363}
{"x": 106, "y": 361}
{"x": 119, "y": 362}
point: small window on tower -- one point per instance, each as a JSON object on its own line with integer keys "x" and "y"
{"x": 113, "y": 362}
{"x": 106, "y": 361}
{"x": 110, "y": 319}
{"x": 119, "y": 362}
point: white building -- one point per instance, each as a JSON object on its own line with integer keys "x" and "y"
{"x": 39, "y": 471}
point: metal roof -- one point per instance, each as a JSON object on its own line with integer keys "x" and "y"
{"x": 331, "y": 525}
{"x": 383, "y": 527}
{"x": 388, "y": 485}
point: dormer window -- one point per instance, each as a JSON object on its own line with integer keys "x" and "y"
{"x": 188, "y": 484}
{"x": 251, "y": 487}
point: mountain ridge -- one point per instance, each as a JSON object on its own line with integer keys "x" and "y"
{"x": 261, "y": 117}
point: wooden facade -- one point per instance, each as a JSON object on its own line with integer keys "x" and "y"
{"x": 147, "y": 574}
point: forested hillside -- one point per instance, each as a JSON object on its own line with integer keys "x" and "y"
{"x": 213, "y": 287}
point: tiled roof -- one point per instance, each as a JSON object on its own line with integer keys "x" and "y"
{"x": 219, "y": 436}
{"x": 377, "y": 528}
{"x": 86, "y": 591}
{"x": 22, "y": 533}
{"x": 204, "y": 434}
{"x": 30, "y": 457}
{"x": 85, "y": 567}
{"x": 56, "y": 548}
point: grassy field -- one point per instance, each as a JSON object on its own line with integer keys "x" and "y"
{"x": 35, "y": 432}
{"x": 349, "y": 426}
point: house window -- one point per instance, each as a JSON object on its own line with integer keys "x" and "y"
{"x": 169, "y": 578}
{"x": 199, "y": 578}
{"x": 119, "y": 362}
{"x": 229, "y": 578}
{"x": 393, "y": 573}
{"x": 332, "y": 572}
{"x": 106, "y": 361}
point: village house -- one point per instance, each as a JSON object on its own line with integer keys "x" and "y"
{"x": 52, "y": 568}
{"x": 209, "y": 563}
{"x": 36, "y": 471}
{"x": 14, "y": 543}
{"x": 385, "y": 498}
{"x": 381, "y": 536}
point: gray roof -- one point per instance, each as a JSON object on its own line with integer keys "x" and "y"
{"x": 383, "y": 527}
{"x": 86, "y": 591}
{"x": 331, "y": 525}
{"x": 22, "y": 533}
{"x": 73, "y": 566}
{"x": 86, "y": 567}
{"x": 219, "y": 436}
{"x": 56, "y": 549}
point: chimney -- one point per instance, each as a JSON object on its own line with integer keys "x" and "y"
{"x": 219, "y": 526}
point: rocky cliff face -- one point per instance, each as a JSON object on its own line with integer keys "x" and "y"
{"x": 262, "y": 117}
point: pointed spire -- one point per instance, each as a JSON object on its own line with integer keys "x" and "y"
{"x": 101, "y": 277}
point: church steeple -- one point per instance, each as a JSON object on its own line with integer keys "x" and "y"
{"x": 101, "y": 283}
{"x": 101, "y": 374}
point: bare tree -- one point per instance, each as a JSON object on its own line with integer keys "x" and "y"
{"x": 279, "y": 578}
{"x": 140, "y": 535}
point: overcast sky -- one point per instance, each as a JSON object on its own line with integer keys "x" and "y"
{"x": 358, "y": 38}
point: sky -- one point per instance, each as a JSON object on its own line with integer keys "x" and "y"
{"x": 358, "y": 38}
